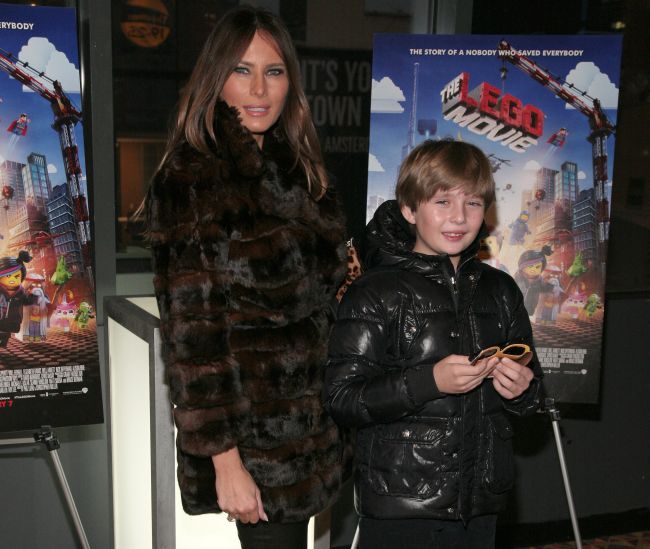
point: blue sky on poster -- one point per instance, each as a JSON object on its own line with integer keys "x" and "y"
{"x": 594, "y": 70}
{"x": 50, "y": 45}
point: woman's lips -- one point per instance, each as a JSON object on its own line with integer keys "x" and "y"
{"x": 254, "y": 110}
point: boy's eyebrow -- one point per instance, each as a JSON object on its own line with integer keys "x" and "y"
{"x": 449, "y": 191}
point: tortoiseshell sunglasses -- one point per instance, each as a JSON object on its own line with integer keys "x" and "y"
{"x": 514, "y": 351}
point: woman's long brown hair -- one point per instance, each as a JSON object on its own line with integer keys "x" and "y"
{"x": 221, "y": 53}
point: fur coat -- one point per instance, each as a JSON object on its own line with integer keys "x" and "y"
{"x": 246, "y": 266}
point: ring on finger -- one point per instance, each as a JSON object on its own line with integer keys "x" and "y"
{"x": 232, "y": 518}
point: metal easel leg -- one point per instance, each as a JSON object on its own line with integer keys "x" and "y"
{"x": 48, "y": 438}
{"x": 554, "y": 414}
{"x": 355, "y": 541}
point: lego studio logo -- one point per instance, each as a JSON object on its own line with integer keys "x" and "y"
{"x": 485, "y": 111}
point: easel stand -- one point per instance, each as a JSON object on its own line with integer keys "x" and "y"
{"x": 47, "y": 437}
{"x": 554, "y": 414}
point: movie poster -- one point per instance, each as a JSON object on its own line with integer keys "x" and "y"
{"x": 49, "y": 363}
{"x": 543, "y": 108}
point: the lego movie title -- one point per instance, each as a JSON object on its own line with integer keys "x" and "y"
{"x": 502, "y": 118}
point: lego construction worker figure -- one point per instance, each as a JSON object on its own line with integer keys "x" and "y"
{"x": 13, "y": 296}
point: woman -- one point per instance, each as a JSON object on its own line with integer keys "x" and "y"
{"x": 248, "y": 249}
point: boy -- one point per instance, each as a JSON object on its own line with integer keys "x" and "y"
{"x": 433, "y": 448}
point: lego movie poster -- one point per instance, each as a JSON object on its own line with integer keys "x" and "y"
{"x": 49, "y": 363}
{"x": 543, "y": 108}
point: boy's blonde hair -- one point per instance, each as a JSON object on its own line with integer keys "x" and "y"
{"x": 444, "y": 165}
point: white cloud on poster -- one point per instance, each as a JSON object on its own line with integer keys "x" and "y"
{"x": 582, "y": 175}
{"x": 43, "y": 56}
{"x": 373, "y": 164}
{"x": 532, "y": 166}
{"x": 51, "y": 168}
{"x": 386, "y": 97}
{"x": 587, "y": 77}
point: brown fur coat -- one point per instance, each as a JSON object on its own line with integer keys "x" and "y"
{"x": 246, "y": 266}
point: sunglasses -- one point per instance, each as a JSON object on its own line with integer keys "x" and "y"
{"x": 514, "y": 351}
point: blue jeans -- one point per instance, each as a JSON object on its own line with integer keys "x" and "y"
{"x": 479, "y": 533}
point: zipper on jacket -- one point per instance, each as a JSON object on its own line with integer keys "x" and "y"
{"x": 461, "y": 457}
{"x": 454, "y": 284}
{"x": 450, "y": 276}
{"x": 454, "y": 292}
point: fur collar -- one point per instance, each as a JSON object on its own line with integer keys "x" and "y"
{"x": 237, "y": 144}
{"x": 267, "y": 180}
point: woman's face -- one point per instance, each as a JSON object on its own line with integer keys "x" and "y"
{"x": 258, "y": 86}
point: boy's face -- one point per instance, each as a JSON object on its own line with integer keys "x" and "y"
{"x": 447, "y": 223}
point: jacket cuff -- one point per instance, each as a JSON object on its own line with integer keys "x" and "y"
{"x": 421, "y": 385}
{"x": 529, "y": 401}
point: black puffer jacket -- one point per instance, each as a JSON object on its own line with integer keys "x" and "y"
{"x": 421, "y": 453}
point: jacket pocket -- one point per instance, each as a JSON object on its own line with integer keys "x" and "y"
{"x": 487, "y": 327}
{"x": 500, "y": 465}
{"x": 406, "y": 459}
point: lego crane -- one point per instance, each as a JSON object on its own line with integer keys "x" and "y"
{"x": 599, "y": 125}
{"x": 66, "y": 117}
{"x": 410, "y": 143}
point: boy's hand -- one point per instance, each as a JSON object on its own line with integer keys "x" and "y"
{"x": 455, "y": 375}
{"x": 510, "y": 378}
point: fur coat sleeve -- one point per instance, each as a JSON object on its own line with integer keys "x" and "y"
{"x": 193, "y": 282}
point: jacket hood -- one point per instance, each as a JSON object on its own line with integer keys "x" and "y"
{"x": 390, "y": 240}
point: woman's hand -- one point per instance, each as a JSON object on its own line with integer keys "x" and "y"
{"x": 237, "y": 493}
{"x": 510, "y": 378}
{"x": 454, "y": 375}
